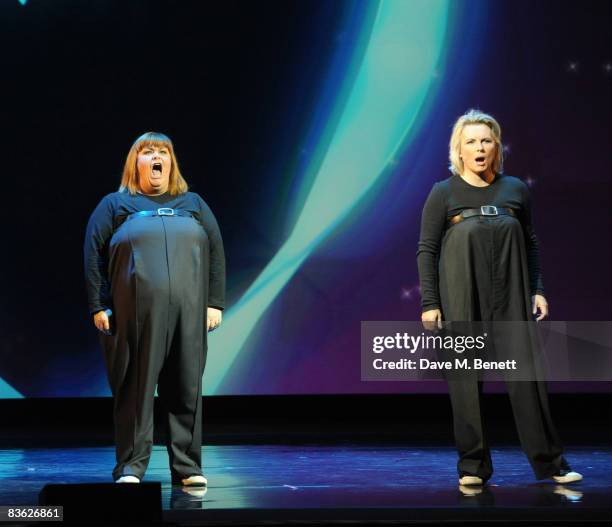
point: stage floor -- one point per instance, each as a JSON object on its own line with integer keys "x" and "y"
{"x": 336, "y": 482}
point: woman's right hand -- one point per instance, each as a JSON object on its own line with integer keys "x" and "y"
{"x": 101, "y": 321}
{"x": 431, "y": 319}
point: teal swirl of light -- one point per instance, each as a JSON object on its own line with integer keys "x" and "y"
{"x": 8, "y": 392}
{"x": 391, "y": 85}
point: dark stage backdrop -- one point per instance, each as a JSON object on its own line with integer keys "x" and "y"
{"x": 314, "y": 130}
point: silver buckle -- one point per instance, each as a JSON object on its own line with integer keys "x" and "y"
{"x": 165, "y": 212}
{"x": 488, "y": 210}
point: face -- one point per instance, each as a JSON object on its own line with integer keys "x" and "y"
{"x": 478, "y": 148}
{"x": 153, "y": 165}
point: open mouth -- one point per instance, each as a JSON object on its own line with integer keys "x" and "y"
{"x": 480, "y": 159}
{"x": 156, "y": 168}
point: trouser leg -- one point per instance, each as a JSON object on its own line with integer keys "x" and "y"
{"x": 180, "y": 389}
{"x": 536, "y": 430}
{"x": 133, "y": 363}
{"x": 473, "y": 450}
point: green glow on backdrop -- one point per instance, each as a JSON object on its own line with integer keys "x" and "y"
{"x": 393, "y": 81}
{"x": 8, "y": 392}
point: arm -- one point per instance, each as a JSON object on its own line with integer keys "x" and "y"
{"x": 98, "y": 233}
{"x": 536, "y": 286}
{"x": 216, "y": 286}
{"x": 433, "y": 222}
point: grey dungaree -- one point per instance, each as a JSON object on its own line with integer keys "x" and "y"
{"x": 485, "y": 268}
{"x": 158, "y": 273}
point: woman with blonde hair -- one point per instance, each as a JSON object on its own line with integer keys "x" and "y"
{"x": 155, "y": 275}
{"x": 478, "y": 260}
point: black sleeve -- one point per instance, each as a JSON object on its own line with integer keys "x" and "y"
{"x": 433, "y": 222}
{"x": 98, "y": 234}
{"x": 216, "y": 287}
{"x": 532, "y": 245}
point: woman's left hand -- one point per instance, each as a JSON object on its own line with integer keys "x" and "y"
{"x": 538, "y": 303}
{"x": 213, "y": 318}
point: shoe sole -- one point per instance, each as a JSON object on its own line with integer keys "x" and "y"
{"x": 185, "y": 483}
{"x": 564, "y": 479}
{"x": 471, "y": 481}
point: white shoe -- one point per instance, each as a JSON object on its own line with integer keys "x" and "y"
{"x": 195, "y": 481}
{"x": 568, "y": 477}
{"x": 470, "y": 480}
{"x": 128, "y": 479}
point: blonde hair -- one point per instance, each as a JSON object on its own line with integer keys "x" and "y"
{"x": 129, "y": 181}
{"x": 474, "y": 117}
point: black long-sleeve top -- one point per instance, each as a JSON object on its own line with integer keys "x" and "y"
{"x": 448, "y": 198}
{"x": 110, "y": 214}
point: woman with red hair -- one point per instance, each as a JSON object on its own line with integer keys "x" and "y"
{"x": 155, "y": 274}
